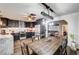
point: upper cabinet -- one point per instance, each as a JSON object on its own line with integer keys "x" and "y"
{"x": 16, "y": 23}
{"x": 30, "y": 24}
{"x": 13, "y": 23}
{"x": 9, "y": 23}
{"x": 4, "y": 22}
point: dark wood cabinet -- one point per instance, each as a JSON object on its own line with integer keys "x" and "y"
{"x": 29, "y": 34}
{"x": 16, "y": 36}
{"x": 4, "y": 22}
{"x": 30, "y": 24}
{"x": 13, "y": 23}
{"x": 9, "y": 23}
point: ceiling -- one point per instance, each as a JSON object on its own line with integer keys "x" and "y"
{"x": 64, "y": 8}
{"x": 17, "y": 11}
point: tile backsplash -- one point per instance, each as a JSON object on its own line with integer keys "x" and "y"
{"x": 9, "y": 30}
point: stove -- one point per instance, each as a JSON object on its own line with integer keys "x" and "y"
{"x": 22, "y": 35}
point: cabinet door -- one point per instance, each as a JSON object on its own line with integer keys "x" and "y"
{"x": 4, "y": 22}
{"x": 13, "y": 23}
{"x": 6, "y": 46}
{"x": 9, "y": 46}
{"x": 2, "y": 46}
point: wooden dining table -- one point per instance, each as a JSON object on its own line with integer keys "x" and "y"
{"x": 46, "y": 46}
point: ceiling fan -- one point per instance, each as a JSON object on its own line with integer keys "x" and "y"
{"x": 30, "y": 17}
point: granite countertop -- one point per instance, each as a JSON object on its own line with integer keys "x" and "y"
{"x": 6, "y": 36}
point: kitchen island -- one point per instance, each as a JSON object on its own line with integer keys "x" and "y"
{"x": 6, "y": 45}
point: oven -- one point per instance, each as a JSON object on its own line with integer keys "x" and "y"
{"x": 22, "y": 35}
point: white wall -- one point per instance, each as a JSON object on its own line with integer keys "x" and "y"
{"x": 73, "y": 23}
{"x": 77, "y": 30}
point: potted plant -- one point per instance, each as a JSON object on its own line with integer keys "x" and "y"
{"x": 73, "y": 43}
{"x": 72, "y": 36}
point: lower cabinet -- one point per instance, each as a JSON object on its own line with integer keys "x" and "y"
{"x": 6, "y": 46}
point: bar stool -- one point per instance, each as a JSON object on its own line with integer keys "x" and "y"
{"x": 24, "y": 49}
{"x": 63, "y": 48}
